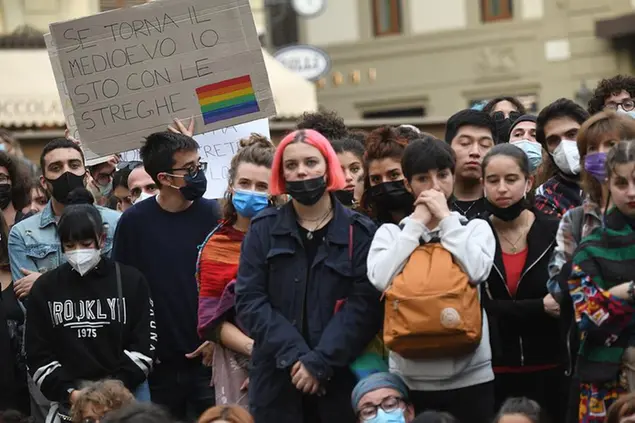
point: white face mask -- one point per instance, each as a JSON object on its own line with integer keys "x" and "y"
{"x": 83, "y": 260}
{"x": 567, "y": 157}
{"x": 143, "y": 196}
{"x": 624, "y": 112}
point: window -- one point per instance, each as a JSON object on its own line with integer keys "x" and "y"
{"x": 116, "y": 4}
{"x": 496, "y": 10}
{"x": 386, "y": 17}
{"x": 282, "y": 24}
{"x": 410, "y": 112}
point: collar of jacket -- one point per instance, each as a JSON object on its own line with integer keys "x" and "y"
{"x": 47, "y": 216}
{"x": 338, "y": 232}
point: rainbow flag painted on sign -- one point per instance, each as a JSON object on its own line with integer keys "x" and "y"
{"x": 227, "y": 99}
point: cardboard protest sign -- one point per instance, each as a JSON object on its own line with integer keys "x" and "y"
{"x": 217, "y": 149}
{"x": 129, "y": 72}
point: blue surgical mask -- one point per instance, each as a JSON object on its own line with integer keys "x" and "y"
{"x": 624, "y": 112}
{"x": 533, "y": 150}
{"x": 394, "y": 416}
{"x": 249, "y": 203}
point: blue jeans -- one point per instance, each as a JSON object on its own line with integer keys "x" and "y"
{"x": 142, "y": 393}
{"x": 183, "y": 388}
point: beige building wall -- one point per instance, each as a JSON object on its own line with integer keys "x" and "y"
{"x": 447, "y": 57}
{"x": 40, "y": 13}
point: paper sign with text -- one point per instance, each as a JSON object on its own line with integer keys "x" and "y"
{"x": 129, "y": 72}
{"x": 217, "y": 149}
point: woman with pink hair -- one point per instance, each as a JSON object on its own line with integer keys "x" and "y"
{"x": 302, "y": 292}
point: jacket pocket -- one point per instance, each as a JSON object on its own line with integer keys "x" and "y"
{"x": 45, "y": 256}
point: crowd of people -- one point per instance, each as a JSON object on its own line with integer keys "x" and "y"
{"x": 345, "y": 276}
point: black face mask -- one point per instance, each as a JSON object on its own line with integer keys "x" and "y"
{"x": 346, "y": 197}
{"x": 63, "y": 186}
{"x": 504, "y": 125}
{"x": 391, "y": 196}
{"x": 5, "y": 196}
{"x": 506, "y": 214}
{"x": 306, "y": 192}
{"x": 194, "y": 187}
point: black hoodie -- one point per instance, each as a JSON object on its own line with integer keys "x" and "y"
{"x": 74, "y": 330}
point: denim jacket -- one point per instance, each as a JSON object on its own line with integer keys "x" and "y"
{"x": 34, "y": 244}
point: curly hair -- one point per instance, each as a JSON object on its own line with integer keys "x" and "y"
{"x": 104, "y": 396}
{"x": 608, "y": 87}
{"x": 326, "y": 122}
{"x": 257, "y": 150}
{"x": 20, "y": 178}
{"x": 228, "y": 413}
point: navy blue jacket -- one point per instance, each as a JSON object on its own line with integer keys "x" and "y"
{"x": 270, "y": 289}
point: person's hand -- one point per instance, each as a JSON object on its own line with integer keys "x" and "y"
{"x": 206, "y": 351}
{"x": 303, "y": 380}
{"x": 436, "y": 203}
{"x": 179, "y": 127}
{"x": 245, "y": 385}
{"x": 422, "y": 213}
{"x": 552, "y": 307}
{"x": 23, "y": 286}
{"x": 68, "y": 136}
{"x": 74, "y": 396}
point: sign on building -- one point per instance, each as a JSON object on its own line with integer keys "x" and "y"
{"x": 309, "y": 62}
{"x": 128, "y": 72}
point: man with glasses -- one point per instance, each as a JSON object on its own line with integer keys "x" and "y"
{"x": 382, "y": 398}
{"x": 159, "y": 236}
{"x": 616, "y": 93}
{"x": 101, "y": 179}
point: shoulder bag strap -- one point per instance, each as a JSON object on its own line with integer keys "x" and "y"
{"x": 120, "y": 304}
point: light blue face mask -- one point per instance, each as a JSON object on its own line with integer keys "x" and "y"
{"x": 394, "y": 416}
{"x": 249, "y": 203}
{"x": 533, "y": 150}
{"x": 624, "y": 112}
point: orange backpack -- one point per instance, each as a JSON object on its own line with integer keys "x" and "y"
{"x": 432, "y": 310}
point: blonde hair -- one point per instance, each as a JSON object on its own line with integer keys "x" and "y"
{"x": 105, "y": 395}
{"x": 230, "y": 413}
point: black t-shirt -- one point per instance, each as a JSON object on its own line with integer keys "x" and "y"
{"x": 469, "y": 209}
{"x": 311, "y": 247}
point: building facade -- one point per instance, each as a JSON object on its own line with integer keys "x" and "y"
{"x": 426, "y": 59}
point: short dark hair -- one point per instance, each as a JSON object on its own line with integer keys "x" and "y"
{"x": 524, "y": 406}
{"x": 138, "y": 412}
{"x": 120, "y": 178}
{"x": 80, "y": 220}
{"x": 349, "y": 145}
{"x": 58, "y": 143}
{"x": 425, "y": 154}
{"x": 563, "y": 107}
{"x": 326, "y": 122}
{"x": 489, "y": 107}
{"x": 431, "y": 416}
{"x": 158, "y": 151}
{"x": 405, "y": 131}
{"x": 20, "y": 177}
{"x": 468, "y": 117}
{"x": 607, "y": 87}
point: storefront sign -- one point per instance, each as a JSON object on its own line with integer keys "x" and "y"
{"x": 307, "y": 61}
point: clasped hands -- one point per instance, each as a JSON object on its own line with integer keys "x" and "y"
{"x": 304, "y": 381}
{"x": 431, "y": 207}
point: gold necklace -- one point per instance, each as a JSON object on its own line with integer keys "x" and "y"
{"x": 513, "y": 244}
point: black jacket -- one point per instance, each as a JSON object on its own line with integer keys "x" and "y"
{"x": 74, "y": 331}
{"x": 521, "y": 332}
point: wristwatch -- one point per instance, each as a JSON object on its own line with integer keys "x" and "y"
{"x": 631, "y": 291}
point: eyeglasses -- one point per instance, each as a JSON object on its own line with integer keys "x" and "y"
{"x": 627, "y": 105}
{"x": 192, "y": 171}
{"x": 388, "y": 404}
{"x": 500, "y": 116}
{"x": 131, "y": 165}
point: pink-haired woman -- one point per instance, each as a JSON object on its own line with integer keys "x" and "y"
{"x": 302, "y": 292}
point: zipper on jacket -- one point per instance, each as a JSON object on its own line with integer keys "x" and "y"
{"x": 569, "y": 370}
{"x": 532, "y": 265}
{"x": 522, "y": 352}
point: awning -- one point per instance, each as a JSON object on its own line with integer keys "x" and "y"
{"x": 616, "y": 27}
{"x": 292, "y": 94}
{"x": 28, "y": 93}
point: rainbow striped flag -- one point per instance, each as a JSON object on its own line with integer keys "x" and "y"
{"x": 227, "y": 99}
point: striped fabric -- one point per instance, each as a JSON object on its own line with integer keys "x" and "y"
{"x": 604, "y": 259}
{"x": 216, "y": 267}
